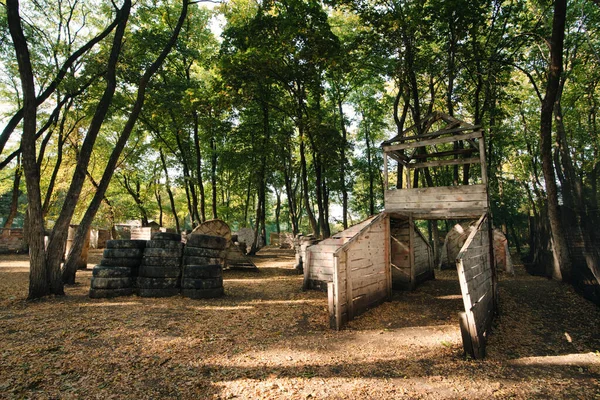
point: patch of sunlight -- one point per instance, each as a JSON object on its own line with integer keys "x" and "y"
{"x": 220, "y": 308}
{"x": 577, "y": 359}
{"x": 568, "y": 337}
{"x": 106, "y": 304}
{"x": 450, "y": 297}
{"x": 259, "y": 281}
{"x": 284, "y": 302}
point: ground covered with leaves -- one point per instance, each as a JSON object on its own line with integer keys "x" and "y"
{"x": 268, "y": 339}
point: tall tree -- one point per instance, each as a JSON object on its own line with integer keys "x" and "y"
{"x": 562, "y": 268}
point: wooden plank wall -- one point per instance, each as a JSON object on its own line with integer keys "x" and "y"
{"x": 400, "y": 252}
{"x": 423, "y": 257}
{"x": 438, "y": 202}
{"x": 401, "y": 256}
{"x": 362, "y": 276}
{"x": 319, "y": 258}
{"x": 475, "y": 274}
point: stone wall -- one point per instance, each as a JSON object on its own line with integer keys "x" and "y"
{"x": 12, "y": 241}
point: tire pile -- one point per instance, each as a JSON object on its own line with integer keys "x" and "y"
{"x": 160, "y": 272}
{"x": 118, "y": 270}
{"x": 203, "y": 267}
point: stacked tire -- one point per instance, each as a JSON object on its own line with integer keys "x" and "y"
{"x": 203, "y": 267}
{"x": 160, "y": 273}
{"x": 118, "y": 270}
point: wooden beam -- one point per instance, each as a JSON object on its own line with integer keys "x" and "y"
{"x": 398, "y": 157}
{"x": 437, "y": 133}
{"x": 385, "y": 171}
{"x": 440, "y": 163}
{"x": 449, "y": 139}
{"x": 484, "y": 177}
{"x": 443, "y": 153}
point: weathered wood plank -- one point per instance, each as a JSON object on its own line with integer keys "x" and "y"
{"x": 441, "y": 163}
{"x": 331, "y": 305}
{"x": 429, "y": 142}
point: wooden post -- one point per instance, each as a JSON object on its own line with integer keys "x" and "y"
{"x": 331, "y": 305}
{"x": 347, "y": 272}
{"x": 411, "y": 252}
{"x": 306, "y": 268}
{"x": 484, "y": 177}
{"x": 407, "y": 169}
{"x": 385, "y": 171}
{"x": 336, "y": 294}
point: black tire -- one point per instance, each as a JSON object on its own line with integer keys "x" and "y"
{"x": 145, "y": 292}
{"x": 167, "y": 236}
{"x": 206, "y": 241}
{"x": 123, "y": 253}
{"x": 111, "y": 271}
{"x": 202, "y": 271}
{"x": 204, "y": 260}
{"x": 125, "y": 244}
{"x": 154, "y": 271}
{"x": 189, "y": 260}
{"x": 162, "y": 261}
{"x": 209, "y": 283}
{"x": 203, "y": 293}
{"x": 109, "y": 293}
{"x": 164, "y": 244}
{"x": 111, "y": 283}
{"x": 157, "y": 283}
{"x": 161, "y": 252}
{"x": 121, "y": 262}
{"x": 202, "y": 252}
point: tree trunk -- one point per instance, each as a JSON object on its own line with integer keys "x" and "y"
{"x": 192, "y": 199}
{"x": 70, "y": 267}
{"x": 57, "y": 241}
{"x": 199, "y": 168}
{"x": 371, "y": 175}
{"x": 38, "y": 273}
{"x": 291, "y": 197}
{"x": 576, "y": 194}
{"x": 400, "y": 128}
{"x": 278, "y": 211}
{"x": 262, "y": 183}
{"x": 309, "y": 212}
{"x": 159, "y": 202}
{"x": 213, "y": 175}
{"x": 169, "y": 191}
{"x": 343, "y": 161}
{"x": 560, "y": 248}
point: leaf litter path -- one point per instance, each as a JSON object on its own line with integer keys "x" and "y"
{"x": 268, "y": 339}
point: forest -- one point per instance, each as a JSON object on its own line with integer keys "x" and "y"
{"x": 270, "y": 115}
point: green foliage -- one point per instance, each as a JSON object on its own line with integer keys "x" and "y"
{"x": 232, "y": 114}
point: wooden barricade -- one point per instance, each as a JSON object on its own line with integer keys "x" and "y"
{"x": 477, "y": 283}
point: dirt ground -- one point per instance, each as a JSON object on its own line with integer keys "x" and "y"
{"x": 266, "y": 339}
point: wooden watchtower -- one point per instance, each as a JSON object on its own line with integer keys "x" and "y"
{"x": 456, "y": 144}
{"x": 447, "y": 146}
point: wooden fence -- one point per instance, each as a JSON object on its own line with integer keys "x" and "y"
{"x": 478, "y": 286}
